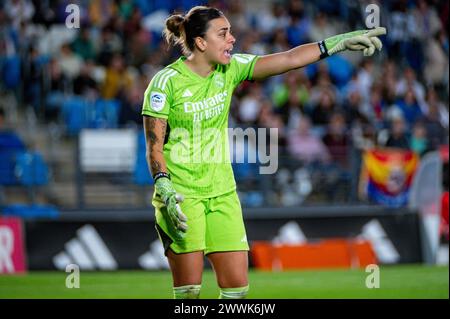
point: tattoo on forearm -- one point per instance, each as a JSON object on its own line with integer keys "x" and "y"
{"x": 151, "y": 132}
{"x": 155, "y": 166}
{"x": 155, "y": 136}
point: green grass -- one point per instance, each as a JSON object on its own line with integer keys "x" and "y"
{"x": 412, "y": 281}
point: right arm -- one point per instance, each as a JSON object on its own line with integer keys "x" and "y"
{"x": 155, "y": 132}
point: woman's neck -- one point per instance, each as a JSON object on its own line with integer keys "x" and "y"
{"x": 199, "y": 65}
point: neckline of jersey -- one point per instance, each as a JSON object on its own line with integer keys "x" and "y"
{"x": 192, "y": 73}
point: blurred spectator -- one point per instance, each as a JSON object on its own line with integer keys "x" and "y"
{"x": 44, "y": 13}
{"x": 440, "y": 111}
{"x": 321, "y": 28}
{"x": 419, "y": 141}
{"x": 101, "y": 11}
{"x": 110, "y": 44}
{"x": 322, "y": 111}
{"x": 398, "y": 137}
{"x": 84, "y": 84}
{"x": 33, "y": 77}
{"x": 365, "y": 78}
{"x": 117, "y": 79}
{"x": 275, "y": 19}
{"x": 425, "y": 21}
{"x": 321, "y": 81}
{"x": 19, "y": 11}
{"x": 290, "y": 96}
{"x": 363, "y": 137}
{"x": 436, "y": 63}
{"x": 58, "y": 86}
{"x": 336, "y": 140}
{"x": 410, "y": 108}
{"x": 389, "y": 81}
{"x": 376, "y": 106}
{"x": 133, "y": 24}
{"x": 130, "y": 112}
{"x": 139, "y": 47}
{"x": 268, "y": 119}
{"x": 69, "y": 63}
{"x": 298, "y": 29}
{"x": 251, "y": 105}
{"x": 354, "y": 111}
{"x": 409, "y": 81}
{"x": 305, "y": 146}
{"x": 279, "y": 41}
{"x": 251, "y": 43}
{"x": 83, "y": 46}
{"x": 238, "y": 17}
{"x": 437, "y": 133}
{"x": 399, "y": 31}
{"x": 126, "y": 8}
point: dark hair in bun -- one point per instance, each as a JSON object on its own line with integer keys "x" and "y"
{"x": 182, "y": 30}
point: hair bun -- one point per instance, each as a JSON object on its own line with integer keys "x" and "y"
{"x": 175, "y": 24}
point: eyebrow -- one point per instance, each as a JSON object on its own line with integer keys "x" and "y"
{"x": 224, "y": 29}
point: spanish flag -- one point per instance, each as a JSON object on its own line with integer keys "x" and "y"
{"x": 388, "y": 174}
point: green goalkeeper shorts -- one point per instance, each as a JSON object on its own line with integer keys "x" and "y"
{"x": 214, "y": 225}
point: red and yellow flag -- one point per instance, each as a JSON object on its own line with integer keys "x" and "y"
{"x": 389, "y": 174}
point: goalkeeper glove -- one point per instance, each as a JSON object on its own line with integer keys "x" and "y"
{"x": 171, "y": 199}
{"x": 361, "y": 40}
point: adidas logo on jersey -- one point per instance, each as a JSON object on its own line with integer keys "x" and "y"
{"x": 88, "y": 251}
{"x": 187, "y": 93}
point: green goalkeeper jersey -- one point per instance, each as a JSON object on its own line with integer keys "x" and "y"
{"x": 196, "y": 108}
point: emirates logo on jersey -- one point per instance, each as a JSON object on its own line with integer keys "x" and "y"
{"x": 205, "y": 104}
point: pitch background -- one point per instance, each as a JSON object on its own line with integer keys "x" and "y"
{"x": 396, "y": 282}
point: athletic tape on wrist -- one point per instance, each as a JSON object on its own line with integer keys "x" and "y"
{"x": 159, "y": 175}
{"x": 323, "y": 50}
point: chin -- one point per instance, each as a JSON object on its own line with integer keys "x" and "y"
{"x": 224, "y": 61}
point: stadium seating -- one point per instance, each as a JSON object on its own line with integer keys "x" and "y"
{"x": 31, "y": 170}
{"x": 105, "y": 114}
{"x": 30, "y": 211}
{"x": 10, "y": 146}
{"x": 75, "y": 114}
{"x": 79, "y": 113}
{"x": 10, "y": 74}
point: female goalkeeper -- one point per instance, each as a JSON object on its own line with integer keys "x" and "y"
{"x": 185, "y": 111}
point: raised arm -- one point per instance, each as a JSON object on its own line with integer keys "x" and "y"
{"x": 278, "y": 63}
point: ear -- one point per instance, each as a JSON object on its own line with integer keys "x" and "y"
{"x": 201, "y": 43}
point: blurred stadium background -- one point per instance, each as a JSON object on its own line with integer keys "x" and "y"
{"x": 363, "y": 150}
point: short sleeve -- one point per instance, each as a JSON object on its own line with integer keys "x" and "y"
{"x": 158, "y": 96}
{"x": 242, "y": 66}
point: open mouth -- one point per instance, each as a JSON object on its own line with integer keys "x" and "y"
{"x": 227, "y": 53}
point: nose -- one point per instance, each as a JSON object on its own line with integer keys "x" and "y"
{"x": 231, "y": 39}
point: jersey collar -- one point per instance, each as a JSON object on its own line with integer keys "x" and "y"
{"x": 191, "y": 73}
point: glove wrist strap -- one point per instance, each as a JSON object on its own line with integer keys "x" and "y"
{"x": 323, "y": 50}
{"x": 160, "y": 175}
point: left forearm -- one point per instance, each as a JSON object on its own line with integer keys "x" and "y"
{"x": 279, "y": 63}
{"x": 304, "y": 54}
